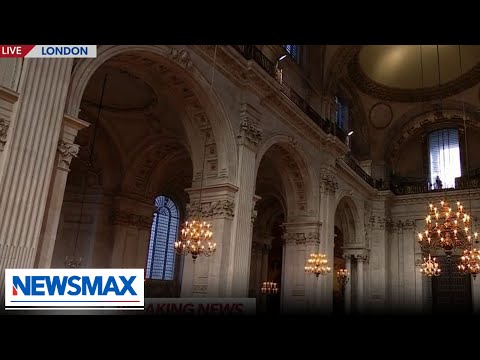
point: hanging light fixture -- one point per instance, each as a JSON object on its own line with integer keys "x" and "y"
{"x": 342, "y": 278}
{"x": 317, "y": 264}
{"x": 196, "y": 234}
{"x": 269, "y": 288}
{"x": 430, "y": 267}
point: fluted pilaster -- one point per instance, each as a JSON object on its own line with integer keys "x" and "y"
{"x": 29, "y": 159}
{"x": 66, "y": 151}
{"x": 250, "y": 135}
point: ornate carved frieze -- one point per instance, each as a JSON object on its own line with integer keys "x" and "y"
{"x": 329, "y": 181}
{"x": 250, "y": 132}
{"x": 310, "y": 238}
{"x": 181, "y": 57}
{"x": 121, "y": 217}
{"x": 220, "y": 208}
{"x": 407, "y": 224}
{"x": 67, "y": 152}
{"x": 381, "y": 222}
{"x": 361, "y": 258}
{"x": 4, "y": 125}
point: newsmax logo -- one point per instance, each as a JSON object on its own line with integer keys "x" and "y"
{"x": 74, "y": 289}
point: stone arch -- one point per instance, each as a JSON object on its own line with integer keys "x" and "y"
{"x": 414, "y": 120}
{"x": 347, "y": 219}
{"x": 298, "y": 177}
{"x": 202, "y": 102}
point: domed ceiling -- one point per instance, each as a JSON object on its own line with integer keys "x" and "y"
{"x": 411, "y": 72}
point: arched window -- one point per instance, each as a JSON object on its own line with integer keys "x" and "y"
{"x": 294, "y": 51}
{"x": 444, "y": 156}
{"x": 164, "y": 232}
{"x": 341, "y": 114}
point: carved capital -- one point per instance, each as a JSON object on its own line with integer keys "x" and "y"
{"x": 348, "y": 258}
{"x": 214, "y": 209}
{"x": 67, "y": 152}
{"x": 250, "y": 133}
{"x": 361, "y": 258}
{"x": 4, "y": 125}
{"x": 310, "y": 238}
{"x": 254, "y": 215}
{"x": 409, "y": 224}
{"x": 329, "y": 182}
{"x": 181, "y": 57}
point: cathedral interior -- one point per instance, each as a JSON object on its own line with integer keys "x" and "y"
{"x": 321, "y": 178}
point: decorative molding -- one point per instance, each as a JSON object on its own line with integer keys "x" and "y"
{"x": 4, "y": 125}
{"x": 214, "y": 209}
{"x": 181, "y": 57}
{"x": 347, "y": 258}
{"x": 387, "y": 93}
{"x": 310, "y": 238}
{"x": 380, "y": 222}
{"x": 121, "y": 217}
{"x": 67, "y": 152}
{"x": 380, "y": 115}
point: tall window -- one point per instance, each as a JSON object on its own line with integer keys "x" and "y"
{"x": 444, "y": 153}
{"x": 341, "y": 114}
{"x": 161, "y": 251}
{"x": 294, "y": 51}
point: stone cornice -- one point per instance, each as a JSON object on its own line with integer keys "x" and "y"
{"x": 247, "y": 73}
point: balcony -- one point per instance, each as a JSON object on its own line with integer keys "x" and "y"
{"x": 251, "y": 52}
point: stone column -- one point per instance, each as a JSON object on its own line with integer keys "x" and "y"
{"x": 299, "y": 289}
{"x": 348, "y": 286}
{"x": 8, "y": 98}
{"x": 361, "y": 259}
{"x": 250, "y": 135}
{"x": 327, "y": 218}
{"x": 29, "y": 159}
{"x": 208, "y": 275}
{"x": 66, "y": 151}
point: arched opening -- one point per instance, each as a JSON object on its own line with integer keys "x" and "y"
{"x": 282, "y": 184}
{"x": 345, "y": 246}
{"x": 338, "y": 264}
{"x": 141, "y": 152}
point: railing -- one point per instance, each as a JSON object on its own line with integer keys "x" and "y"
{"x": 423, "y": 186}
{"x": 251, "y": 52}
{"x": 358, "y": 169}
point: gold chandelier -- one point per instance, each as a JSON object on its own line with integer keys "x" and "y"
{"x": 317, "y": 264}
{"x": 430, "y": 267}
{"x": 470, "y": 262}
{"x": 196, "y": 239}
{"x": 446, "y": 228}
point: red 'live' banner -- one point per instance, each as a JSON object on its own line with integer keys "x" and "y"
{"x": 15, "y": 51}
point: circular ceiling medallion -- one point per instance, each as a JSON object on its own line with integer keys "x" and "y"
{"x": 380, "y": 115}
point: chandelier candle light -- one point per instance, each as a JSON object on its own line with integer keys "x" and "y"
{"x": 470, "y": 262}
{"x": 343, "y": 278}
{"x": 269, "y": 288}
{"x": 446, "y": 228}
{"x": 430, "y": 267}
{"x": 317, "y": 264}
